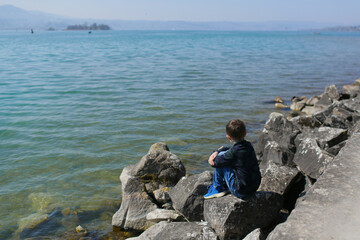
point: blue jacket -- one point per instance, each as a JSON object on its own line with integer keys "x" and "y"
{"x": 241, "y": 156}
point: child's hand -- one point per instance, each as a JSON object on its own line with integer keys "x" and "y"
{"x": 212, "y": 158}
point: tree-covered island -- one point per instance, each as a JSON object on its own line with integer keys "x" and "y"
{"x": 93, "y": 26}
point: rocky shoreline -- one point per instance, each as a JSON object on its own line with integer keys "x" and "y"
{"x": 294, "y": 152}
{"x": 309, "y": 161}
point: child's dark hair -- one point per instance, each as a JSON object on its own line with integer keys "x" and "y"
{"x": 236, "y": 129}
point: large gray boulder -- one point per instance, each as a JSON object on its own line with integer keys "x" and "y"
{"x": 188, "y": 195}
{"x": 332, "y": 92}
{"x": 351, "y": 91}
{"x": 276, "y": 142}
{"x": 330, "y": 208}
{"x": 158, "y": 169}
{"x": 234, "y": 218}
{"x": 353, "y": 104}
{"x": 337, "y": 115}
{"x": 305, "y": 122}
{"x": 279, "y": 179}
{"x": 326, "y": 137}
{"x": 135, "y": 205}
{"x": 178, "y": 231}
{"x": 311, "y": 159}
{"x": 325, "y": 100}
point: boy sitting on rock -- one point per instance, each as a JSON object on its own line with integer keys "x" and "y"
{"x": 236, "y": 169}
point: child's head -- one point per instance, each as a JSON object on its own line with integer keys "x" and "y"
{"x": 236, "y": 130}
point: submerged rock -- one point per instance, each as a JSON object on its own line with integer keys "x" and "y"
{"x": 39, "y": 224}
{"x": 188, "y": 195}
{"x": 234, "y": 218}
{"x": 280, "y": 105}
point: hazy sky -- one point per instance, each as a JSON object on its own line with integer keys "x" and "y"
{"x": 333, "y": 11}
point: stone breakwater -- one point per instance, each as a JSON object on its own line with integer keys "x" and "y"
{"x": 309, "y": 163}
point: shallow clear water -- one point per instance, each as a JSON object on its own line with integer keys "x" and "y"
{"x": 76, "y": 108}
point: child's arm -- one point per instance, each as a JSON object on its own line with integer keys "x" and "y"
{"x": 224, "y": 160}
{"x": 212, "y": 158}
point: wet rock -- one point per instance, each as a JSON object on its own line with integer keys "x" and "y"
{"x": 311, "y": 159}
{"x": 162, "y": 215}
{"x": 278, "y": 179}
{"x": 279, "y": 99}
{"x": 255, "y": 235}
{"x": 280, "y": 105}
{"x": 80, "y": 229}
{"x": 234, "y": 218}
{"x": 278, "y": 137}
{"x": 39, "y": 224}
{"x": 158, "y": 169}
{"x": 188, "y": 195}
{"x": 177, "y": 231}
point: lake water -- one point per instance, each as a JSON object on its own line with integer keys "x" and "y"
{"x": 76, "y": 108}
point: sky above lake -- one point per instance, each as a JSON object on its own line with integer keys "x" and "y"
{"x": 327, "y": 11}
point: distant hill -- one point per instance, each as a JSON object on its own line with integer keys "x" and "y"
{"x": 13, "y": 18}
{"x": 342, "y": 29}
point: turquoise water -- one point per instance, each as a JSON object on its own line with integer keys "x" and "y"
{"x": 76, "y": 108}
